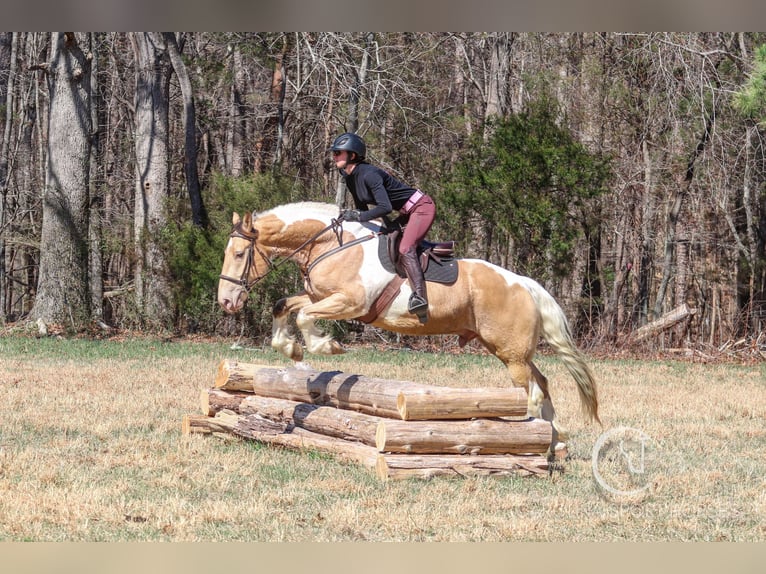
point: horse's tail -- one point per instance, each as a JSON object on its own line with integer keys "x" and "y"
{"x": 556, "y": 332}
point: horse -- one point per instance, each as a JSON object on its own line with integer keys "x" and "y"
{"x": 343, "y": 276}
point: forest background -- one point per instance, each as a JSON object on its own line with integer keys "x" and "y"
{"x": 624, "y": 172}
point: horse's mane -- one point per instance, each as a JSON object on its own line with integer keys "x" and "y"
{"x": 324, "y": 211}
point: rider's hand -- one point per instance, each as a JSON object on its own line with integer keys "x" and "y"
{"x": 350, "y": 215}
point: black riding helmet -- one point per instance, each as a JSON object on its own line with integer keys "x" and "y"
{"x": 350, "y": 142}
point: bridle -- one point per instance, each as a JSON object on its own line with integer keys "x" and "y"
{"x": 251, "y": 237}
{"x": 335, "y": 226}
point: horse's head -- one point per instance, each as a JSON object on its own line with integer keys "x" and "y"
{"x": 244, "y": 263}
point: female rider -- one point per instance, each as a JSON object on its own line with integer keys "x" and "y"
{"x": 376, "y": 194}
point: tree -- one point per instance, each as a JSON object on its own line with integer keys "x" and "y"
{"x": 8, "y": 45}
{"x": 526, "y": 185}
{"x": 199, "y": 215}
{"x": 359, "y": 77}
{"x": 152, "y": 286}
{"x": 655, "y": 104}
{"x": 750, "y": 102}
{"x": 63, "y": 287}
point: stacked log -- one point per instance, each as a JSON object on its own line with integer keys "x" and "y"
{"x": 401, "y": 429}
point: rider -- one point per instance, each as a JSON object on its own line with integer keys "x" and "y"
{"x": 376, "y": 194}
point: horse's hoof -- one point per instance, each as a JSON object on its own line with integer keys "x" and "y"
{"x": 336, "y": 349}
{"x": 294, "y": 352}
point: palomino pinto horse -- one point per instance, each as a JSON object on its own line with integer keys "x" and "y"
{"x": 343, "y": 276}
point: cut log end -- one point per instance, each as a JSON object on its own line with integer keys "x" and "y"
{"x": 204, "y": 403}
{"x": 194, "y": 424}
{"x": 380, "y": 436}
{"x": 225, "y": 368}
{"x": 401, "y": 406}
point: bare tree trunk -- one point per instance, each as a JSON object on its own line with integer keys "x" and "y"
{"x": 751, "y": 225}
{"x": 152, "y": 286}
{"x": 62, "y": 292}
{"x": 278, "y": 90}
{"x": 96, "y": 196}
{"x": 28, "y": 175}
{"x": 353, "y": 106}
{"x": 648, "y": 208}
{"x": 237, "y": 126}
{"x": 8, "y": 46}
{"x": 329, "y": 166}
{"x": 680, "y": 191}
{"x": 462, "y": 88}
{"x": 199, "y": 215}
{"x": 499, "y": 65}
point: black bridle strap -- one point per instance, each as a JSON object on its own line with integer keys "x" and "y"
{"x": 242, "y": 281}
{"x": 335, "y": 225}
{"x": 341, "y": 247}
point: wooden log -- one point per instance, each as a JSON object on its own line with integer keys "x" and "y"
{"x": 195, "y": 424}
{"x": 201, "y": 424}
{"x": 371, "y": 395}
{"x": 331, "y": 388}
{"x": 235, "y": 376}
{"x": 387, "y": 466}
{"x": 403, "y": 466}
{"x": 254, "y": 427}
{"x": 349, "y": 425}
{"x": 664, "y": 323}
{"x": 440, "y": 403}
{"x": 214, "y": 400}
{"x": 480, "y": 436}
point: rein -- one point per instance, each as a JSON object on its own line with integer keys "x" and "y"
{"x": 336, "y": 226}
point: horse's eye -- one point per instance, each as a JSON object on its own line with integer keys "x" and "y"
{"x": 239, "y": 254}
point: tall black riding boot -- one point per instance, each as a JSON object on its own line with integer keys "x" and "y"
{"x": 418, "y": 303}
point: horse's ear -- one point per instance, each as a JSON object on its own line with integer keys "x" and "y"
{"x": 247, "y": 223}
{"x": 235, "y": 219}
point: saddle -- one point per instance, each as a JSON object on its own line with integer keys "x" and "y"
{"x": 436, "y": 259}
{"x": 441, "y": 254}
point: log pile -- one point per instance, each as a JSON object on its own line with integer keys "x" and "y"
{"x": 401, "y": 429}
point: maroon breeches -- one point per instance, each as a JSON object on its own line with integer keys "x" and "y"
{"x": 420, "y": 220}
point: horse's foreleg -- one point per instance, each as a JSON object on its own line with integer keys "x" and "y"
{"x": 336, "y": 306}
{"x": 282, "y": 339}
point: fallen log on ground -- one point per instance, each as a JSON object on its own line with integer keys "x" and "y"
{"x": 254, "y": 427}
{"x": 386, "y": 466}
{"x": 349, "y": 425}
{"x": 405, "y": 400}
{"x": 402, "y": 466}
{"x": 444, "y": 403}
{"x": 664, "y": 323}
{"x": 480, "y": 436}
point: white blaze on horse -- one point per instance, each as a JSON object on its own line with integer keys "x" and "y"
{"x": 344, "y": 276}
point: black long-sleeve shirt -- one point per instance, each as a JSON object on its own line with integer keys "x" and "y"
{"x": 371, "y": 186}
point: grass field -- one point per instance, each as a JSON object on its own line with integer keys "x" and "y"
{"x": 91, "y": 450}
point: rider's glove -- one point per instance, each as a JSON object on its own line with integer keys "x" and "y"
{"x": 350, "y": 215}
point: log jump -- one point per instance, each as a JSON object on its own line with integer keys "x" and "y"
{"x": 399, "y": 429}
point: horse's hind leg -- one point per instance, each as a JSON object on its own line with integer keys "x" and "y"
{"x": 541, "y": 403}
{"x": 282, "y": 339}
{"x": 524, "y": 373}
{"x": 316, "y": 341}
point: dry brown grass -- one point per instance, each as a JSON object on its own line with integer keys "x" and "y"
{"x": 91, "y": 450}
